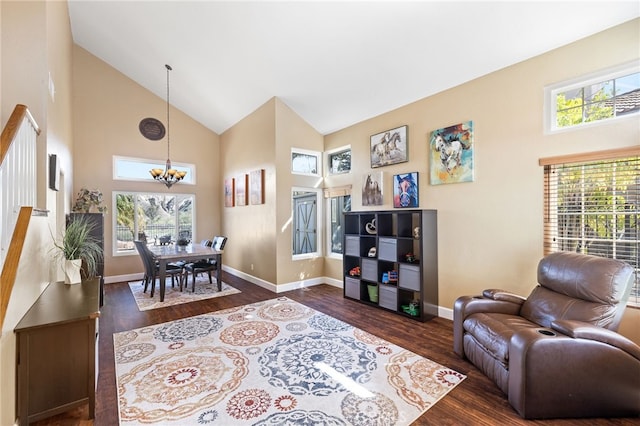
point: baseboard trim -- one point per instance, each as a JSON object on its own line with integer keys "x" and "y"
{"x": 442, "y": 312}
{"x": 280, "y": 288}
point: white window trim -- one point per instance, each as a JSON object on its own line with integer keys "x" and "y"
{"x": 114, "y": 216}
{"x": 327, "y": 158}
{"x": 319, "y": 224}
{"x": 328, "y": 195}
{"x": 550, "y": 92}
{"x": 310, "y": 153}
{"x": 191, "y": 169}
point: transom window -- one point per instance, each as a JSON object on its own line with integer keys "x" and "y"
{"x": 137, "y": 169}
{"x": 158, "y": 219}
{"x": 603, "y": 96}
{"x": 593, "y": 207}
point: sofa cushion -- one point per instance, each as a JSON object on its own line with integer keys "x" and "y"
{"x": 493, "y": 331}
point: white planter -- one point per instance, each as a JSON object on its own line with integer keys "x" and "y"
{"x": 72, "y": 271}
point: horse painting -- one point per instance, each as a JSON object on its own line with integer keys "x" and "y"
{"x": 389, "y": 147}
{"x": 371, "y": 190}
{"x": 452, "y": 154}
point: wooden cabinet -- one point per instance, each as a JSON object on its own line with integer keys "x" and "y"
{"x": 56, "y": 351}
{"x": 391, "y": 260}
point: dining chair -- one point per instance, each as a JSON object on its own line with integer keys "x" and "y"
{"x": 205, "y": 265}
{"x": 152, "y": 269}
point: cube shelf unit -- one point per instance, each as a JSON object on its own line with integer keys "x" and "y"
{"x": 393, "y": 238}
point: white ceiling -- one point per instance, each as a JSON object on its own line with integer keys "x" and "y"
{"x": 334, "y": 63}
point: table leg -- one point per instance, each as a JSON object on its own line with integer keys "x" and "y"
{"x": 219, "y": 271}
{"x": 162, "y": 273}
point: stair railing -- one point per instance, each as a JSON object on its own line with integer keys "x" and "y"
{"x": 18, "y": 173}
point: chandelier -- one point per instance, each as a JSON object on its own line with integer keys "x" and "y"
{"x": 169, "y": 175}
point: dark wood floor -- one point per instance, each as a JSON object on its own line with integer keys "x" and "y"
{"x": 476, "y": 401}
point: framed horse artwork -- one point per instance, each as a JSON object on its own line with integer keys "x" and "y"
{"x": 372, "y": 189}
{"x": 389, "y": 147}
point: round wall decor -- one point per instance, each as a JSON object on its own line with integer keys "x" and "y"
{"x": 152, "y": 128}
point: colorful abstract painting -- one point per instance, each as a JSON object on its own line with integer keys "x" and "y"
{"x": 451, "y": 150}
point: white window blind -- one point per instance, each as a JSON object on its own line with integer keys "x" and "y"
{"x": 592, "y": 207}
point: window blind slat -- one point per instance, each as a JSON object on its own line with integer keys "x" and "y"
{"x": 594, "y": 207}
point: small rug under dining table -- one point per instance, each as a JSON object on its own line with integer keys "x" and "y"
{"x": 276, "y": 362}
{"x": 173, "y": 296}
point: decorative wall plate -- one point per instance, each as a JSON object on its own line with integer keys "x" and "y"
{"x": 151, "y": 128}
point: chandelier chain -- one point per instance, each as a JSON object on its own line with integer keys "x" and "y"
{"x": 168, "y": 121}
{"x": 170, "y": 175}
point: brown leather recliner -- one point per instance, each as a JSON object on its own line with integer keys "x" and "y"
{"x": 556, "y": 353}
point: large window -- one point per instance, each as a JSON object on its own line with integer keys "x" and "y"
{"x": 602, "y": 96}
{"x": 157, "y": 218}
{"x": 338, "y": 202}
{"x": 592, "y": 206}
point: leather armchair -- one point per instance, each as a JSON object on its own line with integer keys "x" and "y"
{"x": 556, "y": 353}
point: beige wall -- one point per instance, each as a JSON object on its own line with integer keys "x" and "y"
{"x": 260, "y": 235}
{"x": 107, "y": 108}
{"x": 35, "y": 42}
{"x": 251, "y": 229}
{"x": 490, "y": 231}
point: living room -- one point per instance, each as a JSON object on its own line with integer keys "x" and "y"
{"x": 97, "y": 110}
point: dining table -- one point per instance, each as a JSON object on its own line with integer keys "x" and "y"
{"x": 165, "y": 254}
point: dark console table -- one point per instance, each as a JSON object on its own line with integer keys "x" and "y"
{"x": 56, "y": 351}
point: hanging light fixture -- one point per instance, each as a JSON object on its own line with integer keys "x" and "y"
{"x": 169, "y": 175}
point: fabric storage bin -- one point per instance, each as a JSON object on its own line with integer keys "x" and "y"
{"x": 388, "y": 297}
{"x": 352, "y": 245}
{"x": 409, "y": 277}
{"x": 370, "y": 270}
{"x": 352, "y": 288}
{"x": 387, "y": 249}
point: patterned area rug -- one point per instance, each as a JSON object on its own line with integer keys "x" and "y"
{"x": 276, "y": 362}
{"x": 173, "y": 296}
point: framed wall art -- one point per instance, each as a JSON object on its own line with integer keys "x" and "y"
{"x": 241, "y": 190}
{"x": 339, "y": 161}
{"x": 405, "y": 190}
{"x": 451, "y": 151}
{"x": 372, "y": 189}
{"x": 305, "y": 162}
{"x": 389, "y": 147}
{"x": 229, "y": 192}
{"x": 256, "y": 186}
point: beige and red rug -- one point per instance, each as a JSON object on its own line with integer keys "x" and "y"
{"x": 276, "y": 362}
{"x": 173, "y": 295}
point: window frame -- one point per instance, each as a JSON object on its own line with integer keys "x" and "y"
{"x": 306, "y": 153}
{"x": 114, "y": 222}
{"x": 319, "y": 224}
{"x": 148, "y": 164}
{"x": 551, "y": 219}
{"x": 329, "y": 195}
{"x": 551, "y": 92}
{"x": 329, "y": 160}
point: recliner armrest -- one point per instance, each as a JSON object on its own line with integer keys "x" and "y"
{"x": 582, "y": 330}
{"x": 554, "y": 375}
{"x": 498, "y": 294}
{"x": 468, "y": 305}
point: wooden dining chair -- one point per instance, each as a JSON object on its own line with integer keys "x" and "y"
{"x": 152, "y": 269}
{"x": 205, "y": 265}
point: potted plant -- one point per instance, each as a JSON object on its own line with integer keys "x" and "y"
{"x": 77, "y": 250}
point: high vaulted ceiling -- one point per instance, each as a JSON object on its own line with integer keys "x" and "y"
{"x": 334, "y": 63}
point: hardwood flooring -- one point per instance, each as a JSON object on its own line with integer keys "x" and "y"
{"x": 476, "y": 401}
